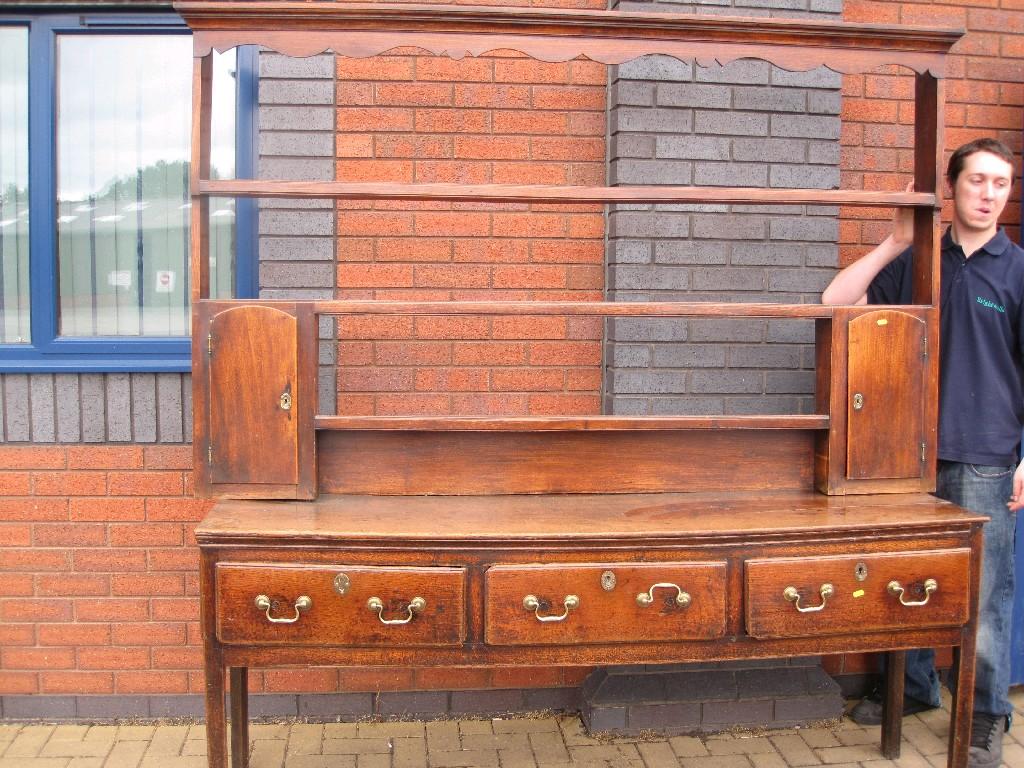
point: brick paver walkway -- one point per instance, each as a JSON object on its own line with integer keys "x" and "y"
{"x": 536, "y": 742}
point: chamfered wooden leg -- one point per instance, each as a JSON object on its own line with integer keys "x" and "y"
{"x": 239, "y": 717}
{"x": 963, "y": 702}
{"x": 216, "y": 733}
{"x": 892, "y": 703}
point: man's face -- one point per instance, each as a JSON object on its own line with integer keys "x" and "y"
{"x": 981, "y": 191}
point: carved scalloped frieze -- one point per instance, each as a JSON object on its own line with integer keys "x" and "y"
{"x": 362, "y": 44}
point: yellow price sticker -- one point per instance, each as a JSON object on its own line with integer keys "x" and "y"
{"x": 859, "y": 593}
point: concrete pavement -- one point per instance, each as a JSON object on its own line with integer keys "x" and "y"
{"x": 527, "y": 742}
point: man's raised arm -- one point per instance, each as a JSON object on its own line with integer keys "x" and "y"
{"x": 850, "y": 286}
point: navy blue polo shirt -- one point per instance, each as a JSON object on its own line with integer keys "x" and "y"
{"x": 981, "y": 360}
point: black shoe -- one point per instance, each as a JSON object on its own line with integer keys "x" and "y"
{"x": 986, "y": 740}
{"x": 868, "y": 710}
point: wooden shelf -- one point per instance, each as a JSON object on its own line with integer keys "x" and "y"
{"x": 566, "y": 423}
{"x": 586, "y": 308}
{"x": 539, "y": 193}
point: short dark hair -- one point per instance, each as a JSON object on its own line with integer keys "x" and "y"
{"x": 960, "y": 155}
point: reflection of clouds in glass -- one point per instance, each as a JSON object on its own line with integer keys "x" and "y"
{"x": 124, "y": 103}
{"x": 13, "y": 110}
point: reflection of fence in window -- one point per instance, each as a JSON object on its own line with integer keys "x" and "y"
{"x": 14, "y": 285}
{"x": 123, "y": 213}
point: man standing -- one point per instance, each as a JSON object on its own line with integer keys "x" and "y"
{"x": 981, "y": 409}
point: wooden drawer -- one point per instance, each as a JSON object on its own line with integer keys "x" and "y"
{"x": 861, "y": 598}
{"x": 605, "y": 613}
{"x": 333, "y": 618}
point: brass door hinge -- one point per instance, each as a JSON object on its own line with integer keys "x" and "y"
{"x": 924, "y": 449}
{"x": 924, "y": 348}
{"x": 209, "y": 344}
{"x": 209, "y": 454}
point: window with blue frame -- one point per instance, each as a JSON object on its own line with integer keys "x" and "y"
{"x": 95, "y": 133}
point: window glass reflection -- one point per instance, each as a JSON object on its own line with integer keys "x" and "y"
{"x": 123, "y": 146}
{"x": 14, "y": 285}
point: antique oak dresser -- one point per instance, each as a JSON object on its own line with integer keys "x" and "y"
{"x": 475, "y": 541}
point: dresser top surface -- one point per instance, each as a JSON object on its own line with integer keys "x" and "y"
{"x": 578, "y": 517}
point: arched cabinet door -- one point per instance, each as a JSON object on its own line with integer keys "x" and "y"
{"x": 256, "y": 439}
{"x": 886, "y": 356}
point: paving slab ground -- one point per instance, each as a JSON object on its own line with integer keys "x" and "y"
{"x": 527, "y": 742}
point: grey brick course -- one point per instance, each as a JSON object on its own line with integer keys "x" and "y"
{"x": 304, "y": 91}
{"x": 119, "y": 407}
{"x": 826, "y": 230}
{"x": 277, "y": 118}
{"x": 17, "y": 426}
{"x": 44, "y": 428}
{"x": 94, "y": 408}
{"x": 635, "y": 145}
{"x": 769, "y": 99}
{"x": 733, "y": 174}
{"x": 705, "y": 96}
{"x": 69, "y": 408}
{"x": 730, "y": 226}
{"x": 819, "y": 77}
{"x": 644, "y": 278}
{"x": 808, "y": 176}
{"x": 691, "y": 147}
{"x": 169, "y": 408}
{"x": 740, "y": 72}
{"x": 651, "y": 120}
{"x": 660, "y": 69}
{"x": 624, "y": 93}
{"x": 273, "y": 65}
{"x": 144, "y": 407}
{"x": 689, "y": 356}
{"x": 730, "y": 123}
{"x": 812, "y": 127}
{"x": 631, "y": 252}
{"x": 636, "y": 171}
{"x": 292, "y": 143}
{"x": 773, "y": 150}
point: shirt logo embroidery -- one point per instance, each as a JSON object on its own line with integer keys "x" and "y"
{"x": 991, "y": 305}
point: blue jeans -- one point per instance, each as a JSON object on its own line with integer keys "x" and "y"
{"x": 985, "y": 490}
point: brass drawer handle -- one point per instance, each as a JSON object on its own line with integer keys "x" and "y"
{"x": 376, "y": 605}
{"x": 895, "y": 588}
{"x": 683, "y": 599}
{"x": 531, "y": 603}
{"x": 304, "y": 603}
{"x": 826, "y": 591}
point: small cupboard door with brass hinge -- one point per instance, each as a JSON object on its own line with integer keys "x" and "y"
{"x": 255, "y": 404}
{"x": 885, "y": 407}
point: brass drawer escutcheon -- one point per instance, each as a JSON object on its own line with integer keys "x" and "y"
{"x": 531, "y": 603}
{"x": 792, "y": 595}
{"x": 303, "y": 603}
{"x": 682, "y": 598}
{"x": 896, "y": 589}
{"x": 342, "y": 583}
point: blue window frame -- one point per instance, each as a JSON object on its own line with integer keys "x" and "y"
{"x": 102, "y": 227}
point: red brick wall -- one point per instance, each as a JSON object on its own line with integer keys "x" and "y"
{"x": 984, "y": 97}
{"x": 99, "y": 570}
{"x": 503, "y": 119}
